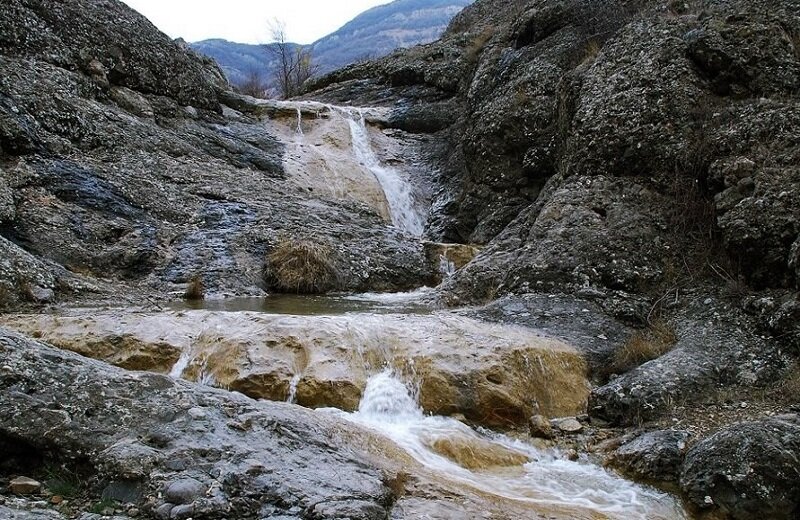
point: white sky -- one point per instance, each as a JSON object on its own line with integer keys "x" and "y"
{"x": 246, "y": 21}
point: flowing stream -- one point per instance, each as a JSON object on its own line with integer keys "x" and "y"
{"x": 524, "y": 473}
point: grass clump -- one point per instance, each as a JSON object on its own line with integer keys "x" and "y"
{"x": 195, "y": 289}
{"x": 302, "y": 267}
{"x": 643, "y": 346}
{"x": 103, "y": 507}
{"x": 63, "y": 482}
{"x": 477, "y": 43}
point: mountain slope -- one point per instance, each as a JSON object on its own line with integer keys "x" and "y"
{"x": 382, "y": 29}
{"x": 374, "y": 33}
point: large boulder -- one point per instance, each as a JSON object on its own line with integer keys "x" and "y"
{"x": 654, "y": 456}
{"x": 748, "y": 470}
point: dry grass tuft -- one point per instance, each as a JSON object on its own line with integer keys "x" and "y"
{"x": 476, "y": 45}
{"x": 301, "y": 266}
{"x": 591, "y": 50}
{"x": 195, "y": 289}
{"x": 789, "y": 387}
{"x": 643, "y": 346}
{"x": 25, "y": 289}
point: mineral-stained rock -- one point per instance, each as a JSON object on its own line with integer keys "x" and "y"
{"x": 654, "y": 456}
{"x": 253, "y": 459}
{"x": 493, "y": 374}
{"x": 749, "y": 470}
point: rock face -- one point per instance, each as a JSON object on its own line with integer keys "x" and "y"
{"x": 493, "y": 375}
{"x": 583, "y": 167}
{"x": 750, "y": 470}
{"x": 163, "y": 440}
{"x": 127, "y": 165}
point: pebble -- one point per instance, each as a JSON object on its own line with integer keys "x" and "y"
{"x": 24, "y": 486}
{"x": 540, "y": 427}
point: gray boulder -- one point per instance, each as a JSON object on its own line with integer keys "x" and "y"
{"x": 654, "y": 456}
{"x": 751, "y": 471}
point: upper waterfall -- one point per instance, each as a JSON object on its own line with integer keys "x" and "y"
{"x": 333, "y": 151}
{"x": 398, "y": 191}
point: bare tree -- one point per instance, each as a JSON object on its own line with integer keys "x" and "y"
{"x": 295, "y": 63}
{"x": 254, "y": 85}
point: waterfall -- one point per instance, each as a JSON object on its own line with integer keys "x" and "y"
{"x": 181, "y": 364}
{"x": 387, "y": 398}
{"x": 299, "y": 122}
{"x": 397, "y": 190}
{"x": 447, "y": 268}
{"x": 292, "y": 397}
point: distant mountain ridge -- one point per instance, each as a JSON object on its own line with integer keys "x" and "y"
{"x": 374, "y": 33}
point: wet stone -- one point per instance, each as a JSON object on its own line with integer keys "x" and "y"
{"x": 540, "y": 427}
{"x": 184, "y": 491}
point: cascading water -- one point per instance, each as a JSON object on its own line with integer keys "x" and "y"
{"x": 399, "y": 194}
{"x": 181, "y": 364}
{"x": 447, "y": 268}
{"x": 547, "y": 478}
{"x": 292, "y": 397}
{"x": 299, "y": 122}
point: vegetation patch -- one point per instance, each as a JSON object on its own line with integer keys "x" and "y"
{"x": 643, "y": 346}
{"x": 195, "y": 289}
{"x": 301, "y": 266}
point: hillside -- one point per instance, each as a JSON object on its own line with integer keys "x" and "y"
{"x": 374, "y": 33}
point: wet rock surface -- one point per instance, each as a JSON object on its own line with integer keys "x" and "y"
{"x": 194, "y": 451}
{"x": 654, "y": 456}
{"x": 494, "y": 375}
{"x": 621, "y": 162}
{"x": 125, "y": 165}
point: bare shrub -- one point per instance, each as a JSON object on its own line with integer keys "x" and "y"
{"x": 195, "y": 289}
{"x": 301, "y": 266}
{"x": 254, "y": 86}
{"x": 643, "y": 346}
{"x": 477, "y": 43}
{"x": 295, "y": 63}
{"x": 25, "y": 291}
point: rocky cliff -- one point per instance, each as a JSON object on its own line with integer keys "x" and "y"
{"x": 122, "y": 164}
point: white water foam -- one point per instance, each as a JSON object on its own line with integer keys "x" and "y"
{"x": 299, "y": 122}
{"x": 292, "y": 397}
{"x": 549, "y": 478}
{"x": 447, "y": 268}
{"x": 389, "y": 298}
{"x": 399, "y": 193}
{"x": 181, "y": 364}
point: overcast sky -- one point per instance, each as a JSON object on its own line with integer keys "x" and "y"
{"x": 246, "y": 21}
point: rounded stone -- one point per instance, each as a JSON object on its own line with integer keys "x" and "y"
{"x": 184, "y": 491}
